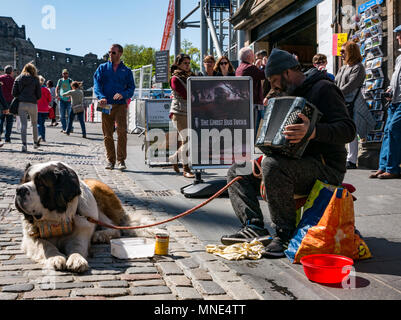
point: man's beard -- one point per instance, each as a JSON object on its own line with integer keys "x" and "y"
{"x": 287, "y": 87}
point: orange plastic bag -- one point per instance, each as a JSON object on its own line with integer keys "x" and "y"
{"x": 335, "y": 232}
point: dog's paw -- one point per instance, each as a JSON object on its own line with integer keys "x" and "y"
{"x": 77, "y": 263}
{"x": 57, "y": 263}
{"x": 101, "y": 237}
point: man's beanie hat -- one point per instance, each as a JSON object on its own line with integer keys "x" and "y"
{"x": 398, "y": 29}
{"x": 279, "y": 61}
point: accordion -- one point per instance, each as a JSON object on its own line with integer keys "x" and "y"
{"x": 279, "y": 113}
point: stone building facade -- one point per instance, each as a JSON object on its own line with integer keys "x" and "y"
{"x": 17, "y": 50}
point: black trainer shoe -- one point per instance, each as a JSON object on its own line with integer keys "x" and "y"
{"x": 351, "y": 165}
{"x": 275, "y": 248}
{"x": 247, "y": 234}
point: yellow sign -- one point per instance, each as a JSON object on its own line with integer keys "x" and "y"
{"x": 338, "y": 40}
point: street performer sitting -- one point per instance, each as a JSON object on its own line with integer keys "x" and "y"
{"x": 324, "y": 157}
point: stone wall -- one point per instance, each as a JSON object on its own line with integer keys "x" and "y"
{"x": 16, "y": 50}
{"x": 50, "y": 65}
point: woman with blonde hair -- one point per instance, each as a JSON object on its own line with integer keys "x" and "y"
{"x": 28, "y": 91}
{"x": 223, "y": 67}
{"x": 350, "y": 79}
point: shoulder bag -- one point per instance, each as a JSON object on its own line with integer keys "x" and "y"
{"x": 14, "y": 106}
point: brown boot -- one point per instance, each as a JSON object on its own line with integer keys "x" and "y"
{"x": 187, "y": 172}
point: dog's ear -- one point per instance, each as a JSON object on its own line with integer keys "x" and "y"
{"x": 24, "y": 177}
{"x": 66, "y": 188}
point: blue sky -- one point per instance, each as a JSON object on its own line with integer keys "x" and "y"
{"x": 91, "y": 26}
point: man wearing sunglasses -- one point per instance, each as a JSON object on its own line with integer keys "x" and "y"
{"x": 113, "y": 85}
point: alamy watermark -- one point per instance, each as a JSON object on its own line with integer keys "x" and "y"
{"x": 49, "y": 17}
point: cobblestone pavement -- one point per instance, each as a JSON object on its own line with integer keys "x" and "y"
{"x": 187, "y": 273}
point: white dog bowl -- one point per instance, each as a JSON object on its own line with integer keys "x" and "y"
{"x": 130, "y": 248}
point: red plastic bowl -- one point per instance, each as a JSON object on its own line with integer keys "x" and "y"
{"x": 326, "y": 268}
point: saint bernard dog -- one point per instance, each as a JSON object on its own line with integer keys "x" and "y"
{"x": 55, "y": 203}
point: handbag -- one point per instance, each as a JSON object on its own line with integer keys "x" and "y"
{"x": 51, "y": 114}
{"x": 14, "y": 106}
{"x": 78, "y": 108}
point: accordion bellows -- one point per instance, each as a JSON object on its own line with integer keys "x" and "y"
{"x": 279, "y": 113}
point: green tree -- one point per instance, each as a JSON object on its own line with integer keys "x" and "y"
{"x": 188, "y": 48}
{"x": 135, "y": 56}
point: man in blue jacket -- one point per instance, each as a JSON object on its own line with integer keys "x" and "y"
{"x": 113, "y": 85}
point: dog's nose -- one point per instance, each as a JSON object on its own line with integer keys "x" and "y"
{"x": 38, "y": 216}
{"x": 22, "y": 191}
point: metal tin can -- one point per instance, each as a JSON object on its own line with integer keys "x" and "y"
{"x": 161, "y": 245}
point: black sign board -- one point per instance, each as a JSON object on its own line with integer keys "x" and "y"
{"x": 220, "y": 121}
{"x": 162, "y": 62}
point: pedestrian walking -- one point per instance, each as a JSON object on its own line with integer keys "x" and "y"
{"x": 43, "y": 109}
{"x": 27, "y": 89}
{"x": 77, "y": 107}
{"x": 113, "y": 85}
{"x": 53, "y": 103}
{"x": 180, "y": 72}
{"x": 350, "y": 79}
{"x": 223, "y": 67}
{"x": 7, "y": 81}
{"x": 3, "y": 109}
{"x": 247, "y": 68}
{"x": 390, "y": 152}
{"x": 64, "y": 85}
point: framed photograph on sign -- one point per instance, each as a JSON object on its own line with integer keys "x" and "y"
{"x": 220, "y": 121}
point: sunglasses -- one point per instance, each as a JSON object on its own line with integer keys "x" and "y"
{"x": 112, "y": 52}
{"x": 223, "y": 63}
{"x": 186, "y": 63}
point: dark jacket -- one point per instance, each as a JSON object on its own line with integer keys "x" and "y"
{"x": 3, "y": 103}
{"x": 247, "y": 69}
{"x": 335, "y": 128}
{"x": 230, "y": 74}
{"x": 27, "y": 88}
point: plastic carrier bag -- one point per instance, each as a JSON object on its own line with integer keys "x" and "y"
{"x": 327, "y": 226}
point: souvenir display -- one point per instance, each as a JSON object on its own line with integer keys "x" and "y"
{"x": 370, "y": 36}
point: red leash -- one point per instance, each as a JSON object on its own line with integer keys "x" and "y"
{"x": 218, "y": 193}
